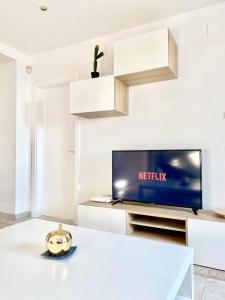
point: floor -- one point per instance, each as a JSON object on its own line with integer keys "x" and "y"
{"x": 4, "y": 222}
{"x": 209, "y": 283}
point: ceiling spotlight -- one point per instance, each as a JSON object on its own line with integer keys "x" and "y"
{"x": 43, "y": 8}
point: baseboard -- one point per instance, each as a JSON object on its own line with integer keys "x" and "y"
{"x": 58, "y": 220}
{"x": 12, "y": 217}
{"x": 25, "y": 214}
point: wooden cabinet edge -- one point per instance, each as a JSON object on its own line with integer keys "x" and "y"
{"x": 186, "y": 233}
{"x": 172, "y": 54}
{"x": 121, "y": 94}
{"x": 149, "y": 76}
{"x": 100, "y": 114}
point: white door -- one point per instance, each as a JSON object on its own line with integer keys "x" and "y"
{"x": 58, "y": 155}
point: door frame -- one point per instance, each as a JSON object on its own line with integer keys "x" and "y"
{"x": 37, "y": 184}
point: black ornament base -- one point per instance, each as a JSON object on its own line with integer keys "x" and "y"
{"x": 48, "y": 254}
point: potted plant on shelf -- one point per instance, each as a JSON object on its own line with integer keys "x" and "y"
{"x": 97, "y": 55}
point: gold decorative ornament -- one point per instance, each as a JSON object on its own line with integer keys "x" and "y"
{"x": 59, "y": 242}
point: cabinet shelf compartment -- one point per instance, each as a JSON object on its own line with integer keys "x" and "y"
{"x": 159, "y": 234}
{"x": 157, "y": 222}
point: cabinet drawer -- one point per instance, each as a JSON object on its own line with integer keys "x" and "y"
{"x": 112, "y": 220}
{"x": 208, "y": 240}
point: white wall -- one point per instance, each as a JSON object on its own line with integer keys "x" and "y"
{"x": 23, "y": 137}
{"x": 23, "y": 129}
{"x": 8, "y": 136}
{"x": 183, "y": 113}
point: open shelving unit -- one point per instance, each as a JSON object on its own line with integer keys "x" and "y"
{"x": 157, "y": 227}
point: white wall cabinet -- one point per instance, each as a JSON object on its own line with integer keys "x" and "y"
{"x": 100, "y": 218}
{"x": 208, "y": 240}
{"x": 99, "y": 97}
{"x": 146, "y": 58}
{"x": 142, "y": 59}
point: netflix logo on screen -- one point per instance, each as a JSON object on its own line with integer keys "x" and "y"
{"x": 152, "y": 176}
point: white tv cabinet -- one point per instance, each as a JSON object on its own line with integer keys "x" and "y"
{"x": 205, "y": 232}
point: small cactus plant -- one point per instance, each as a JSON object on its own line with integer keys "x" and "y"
{"x": 97, "y": 55}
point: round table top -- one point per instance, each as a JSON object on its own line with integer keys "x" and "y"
{"x": 220, "y": 211}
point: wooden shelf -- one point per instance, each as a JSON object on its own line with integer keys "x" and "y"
{"x": 161, "y": 74}
{"x": 158, "y": 228}
{"x": 162, "y": 223}
{"x": 159, "y": 234}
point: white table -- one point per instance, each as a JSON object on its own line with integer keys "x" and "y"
{"x": 106, "y": 266}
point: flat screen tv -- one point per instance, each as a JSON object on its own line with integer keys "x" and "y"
{"x": 164, "y": 177}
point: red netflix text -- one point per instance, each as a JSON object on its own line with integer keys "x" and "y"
{"x": 152, "y": 176}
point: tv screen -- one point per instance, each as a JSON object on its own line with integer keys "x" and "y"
{"x": 165, "y": 177}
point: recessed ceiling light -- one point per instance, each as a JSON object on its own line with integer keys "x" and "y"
{"x": 43, "y": 8}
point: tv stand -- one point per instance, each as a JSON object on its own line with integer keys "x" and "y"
{"x": 147, "y": 221}
{"x": 195, "y": 211}
{"x": 116, "y": 201}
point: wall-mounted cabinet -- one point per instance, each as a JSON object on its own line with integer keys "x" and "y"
{"x": 99, "y": 97}
{"x": 146, "y": 58}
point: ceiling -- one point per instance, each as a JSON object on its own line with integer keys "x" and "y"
{"x": 4, "y": 59}
{"x": 25, "y": 27}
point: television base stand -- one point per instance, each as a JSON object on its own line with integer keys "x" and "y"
{"x": 195, "y": 211}
{"x": 116, "y": 201}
